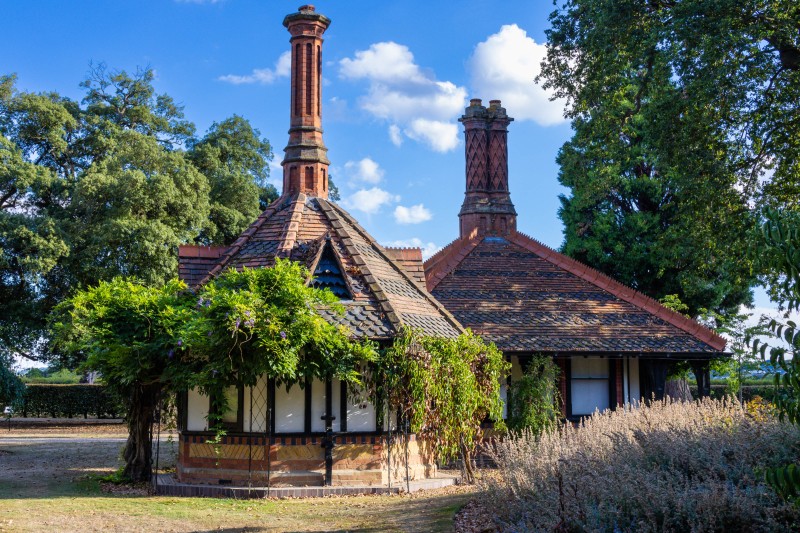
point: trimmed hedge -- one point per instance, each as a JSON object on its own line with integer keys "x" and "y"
{"x": 68, "y": 401}
{"x": 766, "y": 391}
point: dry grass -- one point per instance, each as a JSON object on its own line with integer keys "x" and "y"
{"x": 689, "y": 467}
{"x": 51, "y": 485}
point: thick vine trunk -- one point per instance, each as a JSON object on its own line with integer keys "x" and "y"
{"x": 138, "y": 454}
{"x": 678, "y": 389}
{"x": 468, "y": 471}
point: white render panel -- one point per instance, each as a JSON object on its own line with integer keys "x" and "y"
{"x": 290, "y": 409}
{"x": 625, "y": 383}
{"x": 633, "y": 379}
{"x": 588, "y": 396}
{"x": 360, "y": 414}
{"x": 336, "y": 405}
{"x": 318, "y": 405}
{"x": 197, "y": 411}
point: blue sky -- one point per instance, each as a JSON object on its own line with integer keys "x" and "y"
{"x": 393, "y": 72}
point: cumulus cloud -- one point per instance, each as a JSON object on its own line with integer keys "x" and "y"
{"x": 369, "y": 201}
{"x": 428, "y": 248}
{"x": 264, "y": 76}
{"x": 412, "y": 215}
{"x": 504, "y": 66}
{"x": 411, "y": 99}
{"x": 441, "y": 136}
{"x": 365, "y": 170}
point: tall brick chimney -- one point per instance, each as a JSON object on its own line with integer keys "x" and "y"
{"x": 305, "y": 166}
{"x": 487, "y": 207}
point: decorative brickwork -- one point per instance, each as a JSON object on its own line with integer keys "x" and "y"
{"x": 305, "y": 166}
{"x": 300, "y": 461}
{"x": 487, "y": 207}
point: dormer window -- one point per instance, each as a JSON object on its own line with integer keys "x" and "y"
{"x": 329, "y": 274}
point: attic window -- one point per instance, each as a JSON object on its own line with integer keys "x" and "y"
{"x": 328, "y": 274}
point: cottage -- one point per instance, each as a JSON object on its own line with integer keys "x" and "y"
{"x": 281, "y": 436}
{"x": 613, "y": 344}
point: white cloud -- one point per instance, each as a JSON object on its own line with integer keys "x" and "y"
{"x": 264, "y": 76}
{"x": 394, "y": 135}
{"x": 406, "y": 96}
{"x": 428, "y": 249}
{"x": 369, "y": 201}
{"x": 385, "y": 62}
{"x": 441, "y": 136}
{"x": 365, "y": 170}
{"x": 412, "y": 215}
{"x": 504, "y": 66}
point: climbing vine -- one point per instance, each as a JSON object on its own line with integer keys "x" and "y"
{"x": 446, "y": 388}
{"x": 148, "y": 342}
{"x": 533, "y": 399}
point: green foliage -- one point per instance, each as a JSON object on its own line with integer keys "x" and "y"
{"x": 673, "y": 301}
{"x": 266, "y": 321}
{"x": 333, "y": 191}
{"x": 533, "y": 400}
{"x": 235, "y": 161}
{"x": 445, "y": 388}
{"x": 778, "y": 247}
{"x": 55, "y": 377}
{"x": 679, "y": 110}
{"x": 109, "y": 187}
{"x": 148, "y": 342}
{"x": 68, "y": 401}
{"x": 11, "y": 388}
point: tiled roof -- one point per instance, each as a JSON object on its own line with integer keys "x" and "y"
{"x": 196, "y": 261}
{"x": 524, "y": 296}
{"x": 386, "y": 296}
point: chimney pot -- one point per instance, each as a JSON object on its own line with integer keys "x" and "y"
{"x": 307, "y": 7}
{"x": 494, "y": 103}
{"x": 475, "y": 102}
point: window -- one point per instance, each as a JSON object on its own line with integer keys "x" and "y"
{"x": 589, "y": 380}
{"x": 232, "y": 418}
{"x": 328, "y": 274}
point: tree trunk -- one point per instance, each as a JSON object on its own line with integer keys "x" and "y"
{"x": 138, "y": 454}
{"x": 678, "y": 389}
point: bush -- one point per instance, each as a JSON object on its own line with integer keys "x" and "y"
{"x": 68, "y": 401}
{"x": 533, "y": 400}
{"x": 672, "y": 466}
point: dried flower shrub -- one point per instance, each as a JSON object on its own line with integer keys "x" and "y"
{"x": 670, "y": 466}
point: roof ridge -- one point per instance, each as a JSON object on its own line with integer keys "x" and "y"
{"x": 620, "y": 290}
{"x": 423, "y": 290}
{"x": 448, "y": 258}
{"x": 251, "y": 230}
{"x": 289, "y": 236}
{"x": 380, "y": 295}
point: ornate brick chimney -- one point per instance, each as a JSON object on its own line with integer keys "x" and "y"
{"x": 305, "y": 166}
{"x": 487, "y": 207}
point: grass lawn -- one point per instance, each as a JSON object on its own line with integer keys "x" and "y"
{"x": 51, "y": 484}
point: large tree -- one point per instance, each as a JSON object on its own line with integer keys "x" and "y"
{"x": 110, "y": 186}
{"x": 685, "y": 116}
